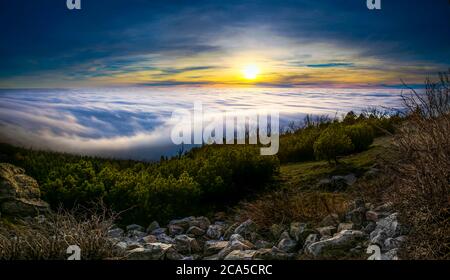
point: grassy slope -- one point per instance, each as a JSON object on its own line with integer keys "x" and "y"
{"x": 304, "y": 175}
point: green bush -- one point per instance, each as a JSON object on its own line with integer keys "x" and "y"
{"x": 361, "y": 135}
{"x": 332, "y": 143}
{"x": 298, "y": 146}
{"x": 204, "y": 178}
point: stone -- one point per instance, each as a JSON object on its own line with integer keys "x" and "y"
{"x": 393, "y": 243}
{"x": 200, "y": 222}
{"x": 214, "y": 231}
{"x": 246, "y": 228}
{"x": 115, "y": 232}
{"x": 196, "y": 231}
{"x": 234, "y": 244}
{"x": 164, "y": 238}
{"x": 386, "y": 207}
{"x": 342, "y": 239}
{"x": 174, "y": 255}
{"x": 214, "y": 257}
{"x": 136, "y": 234}
{"x": 213, "y": 247}
{"x": 385, "y": 228}
{"x": 240, "y": 255}
{"x": 276, "y": 230}
{"x": 186, "y": 244}
{"x": 330, "y": 220}
{"x": 152, "y": 251}
{"x": 356, "y": 216}
{"x": 153, "y": 226}
{"x": 344, "y": 226}
{"x": 158, "y": 231}
{"x": 370, "y": 227}
{"x": 185, "y": 223}
{"x": 272, "y": 254}
{"x": 19, "y": 193}
{"x": 122, "y": 246}
{"x": 149, "y": 239}
{"x": 175, "y": 230}
{"x": 372, "y": 216}
{"x": 261, "y": 244}
{"x": 326, "y": 231}
{"x": 135, "y": 227}
{"x": 230, "y": 231}
{"x": 133, "y": 245}
{"x": 310, "y": 239}
{"x": 296, "y": 230}
{"x": 391, "y": 255}
{"x": 287, "y": 245}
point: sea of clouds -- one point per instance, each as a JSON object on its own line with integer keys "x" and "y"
{"x": 136, "y": 122}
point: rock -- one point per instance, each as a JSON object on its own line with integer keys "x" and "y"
{"x": 164, "y": 238}
{"x": 135, "y": 234}
{"x": 284, "y": 235}
{"x": 342, "y": 239}
{"x": 153, "y": 226}
{"x": 236, "y": 243}
{"x": 330, "y": 220}
{"x": 175, "y": 230}
{"x": 310, "y": 239}
{"x": 220, "y": 216}
{"x": 158, "y": 231}
{"x": 196, "y": 231}
{"x": 385, "y": 228}
{"x": 370, "y": 227}
{"x": 122, "y": 246}
{"x": 240, "y": 255}
{"x": 326, "y": 231}
{"x": 287, "y": 245}
{"x": 393, "y": 243}
{"x": 356, "y": 216}
{"x": 214, "y": 257}
{"x": 262, "y": 244}
{"x": 296, "y": 231}
{"x": 230, "y": 231}
{"x": 149, "y": 239}
{"x": 172, "y": 254}
{"x": 19, "y": 193}
{"x": 200, "y": 222}
{"x": 184, "y": 223}
{"x": 152, "y": 251}
{"x": 185, "y": 244}
{"x": 212, "y": 247}
{"x": 115, "y": 232}
{"x": 372, "y": 216}
{"x": 133, "y": 245}
{"x": 337, "y": 183}
{"x": 276, "y": 230}
{"x": 272, "y": 254}
{"x": 245, "y": 228}
{"x": 214, "y": 231}
{"x": 391, "y": 255}
{"x": 135, "y": 227}
{"x": 344, "y": 226}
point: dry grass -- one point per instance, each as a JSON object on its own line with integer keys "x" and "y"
{"x": 283, "y": 207}
{"x": 37, "y": 239}
{"x": 422, "y": 171}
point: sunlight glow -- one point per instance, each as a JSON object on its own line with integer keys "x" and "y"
{"x": 250, "y": 72}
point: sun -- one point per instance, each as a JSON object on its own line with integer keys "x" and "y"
{"x": 250, "y": 72}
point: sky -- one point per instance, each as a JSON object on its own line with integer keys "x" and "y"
{"x": 328, "y": 44}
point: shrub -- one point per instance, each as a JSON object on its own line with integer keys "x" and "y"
{"x": 422, "y": 171}
{"x": 298, "y": 146}
{"x": 361, "y": 135}
{"x": 34, "y": 239}
{"x": 332, "y": 143}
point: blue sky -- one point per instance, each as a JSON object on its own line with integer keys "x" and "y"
{"x": 208, "y": 43}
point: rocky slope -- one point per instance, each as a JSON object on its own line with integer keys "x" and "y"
{"x": 19, "y": 193}
{"x": 199, "y": 238}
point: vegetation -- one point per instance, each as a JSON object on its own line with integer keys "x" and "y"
{"x": 48, "y": 239}
{"x": 211, "y": 176}
{"x": 332, "y": 142}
